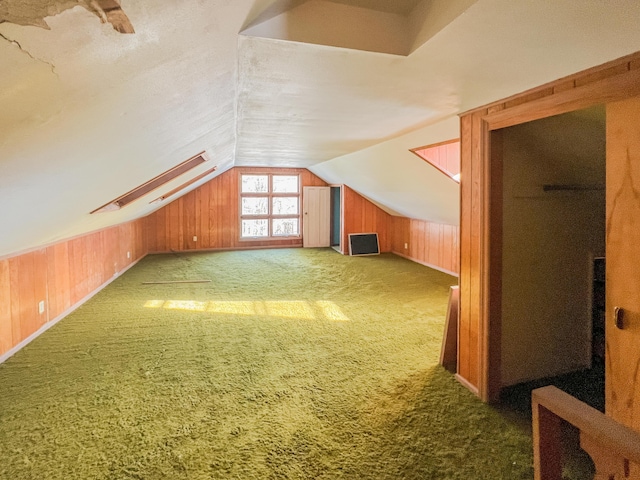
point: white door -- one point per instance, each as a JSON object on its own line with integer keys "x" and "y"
{"x": 316, "y": 218}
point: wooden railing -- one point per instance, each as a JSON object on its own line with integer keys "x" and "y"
{"x": 614, "y": 448}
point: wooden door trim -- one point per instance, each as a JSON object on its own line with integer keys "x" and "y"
{"x": 613, "y": 81}
{"x": 569, "y": 82}
{"x": 491, "y": 331}
{"x": 610, "y": 89}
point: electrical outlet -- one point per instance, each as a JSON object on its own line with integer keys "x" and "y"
{"x": 406, "y": 245}
{"x": 128, "y": 254}
{"x": 195, "y": 238}
{"x": 41, "y": 307}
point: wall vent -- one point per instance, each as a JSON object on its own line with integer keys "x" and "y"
{"x": 152, "y": 184}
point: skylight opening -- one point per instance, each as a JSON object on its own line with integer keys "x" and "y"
{"x": 184, "y": 185}
{"x": 152, "y": 184}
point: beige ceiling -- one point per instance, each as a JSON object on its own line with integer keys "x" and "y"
{"x": 87, "y": 113}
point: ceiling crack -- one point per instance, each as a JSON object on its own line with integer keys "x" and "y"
{"x": 26, "y": 52}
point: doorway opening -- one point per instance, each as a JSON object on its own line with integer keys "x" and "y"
{"x": 336, "y": 217}
{"x": 553, "y": 229}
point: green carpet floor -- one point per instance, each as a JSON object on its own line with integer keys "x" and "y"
{"x": 290, "y": 364}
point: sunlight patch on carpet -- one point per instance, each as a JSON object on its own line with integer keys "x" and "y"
{"x": 298, "y": 309}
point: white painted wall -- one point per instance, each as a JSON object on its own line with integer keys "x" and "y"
{"x": 549, "y": 239}
{"x": 398, "y": 180}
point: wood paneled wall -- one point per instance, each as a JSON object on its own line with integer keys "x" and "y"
{"x": 61, "y": 275}
{"x": 211, "y": 213}
{"x": 445, "y": 156}
{"x": 472, "y": 229}
{"x": 432, "y": 244}
{"x": 481, "y": 208}
{"x": 359, "y": 215}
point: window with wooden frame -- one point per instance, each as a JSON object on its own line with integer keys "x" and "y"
{"x": 269, "y": 206}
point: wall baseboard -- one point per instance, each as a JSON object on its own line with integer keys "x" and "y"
{"x": 224, "y": 249}
{"x": 465, "y": 383}
{"x": 435, "y": 267}
{"x": 11, "y": 352}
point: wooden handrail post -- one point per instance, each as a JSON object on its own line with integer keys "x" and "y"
{"x": 547, "y": 444}
{"x": 613, "y": 447}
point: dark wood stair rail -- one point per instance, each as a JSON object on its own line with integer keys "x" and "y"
{"x": 612, "y": 446}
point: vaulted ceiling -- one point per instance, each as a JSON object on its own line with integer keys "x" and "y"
{"x": 343, "y": 87}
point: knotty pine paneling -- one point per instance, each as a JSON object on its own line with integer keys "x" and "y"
{"x": 61, "y": 275}
{"x": 428, "y": 243}
{"x": 211, "y": 213}
{"x": 359, "y": 215}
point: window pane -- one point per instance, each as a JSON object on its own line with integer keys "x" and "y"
{"x": 285, "y": 184}
{"x": 285, "y": 227}
{"x": 255, "y": 228}
{"x": 255, "y": 183}
{"x": 255, "y": 206}
{"x": 285, "y": 206}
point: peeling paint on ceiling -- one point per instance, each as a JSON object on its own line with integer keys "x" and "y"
{"x": 34, "y": 12}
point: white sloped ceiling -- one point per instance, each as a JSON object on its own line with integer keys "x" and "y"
{"x": 87, "y": 113}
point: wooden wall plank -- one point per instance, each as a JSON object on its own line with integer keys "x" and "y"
{"x": 215, "y": 204}
{"x": 447, "y": 247}
{"x": 96, "y": 265}
{"x": 465, "y": 246}
{"x": 422, "y": 240}
{"x": 6, "y": 327}
{"x": 190, "y": 218}
{"x": 151, "y": 228}
{"x": 77, "y": 269}
{"x": 40, "y": 287}
{"x": 203, "y": 228}
{"x": 59, "y": 278}
{"x": 16, "y": 297}
{"x": 433, "y": 232}
{"x": 123, "y": 246}
{"x": 477, "y": 242}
